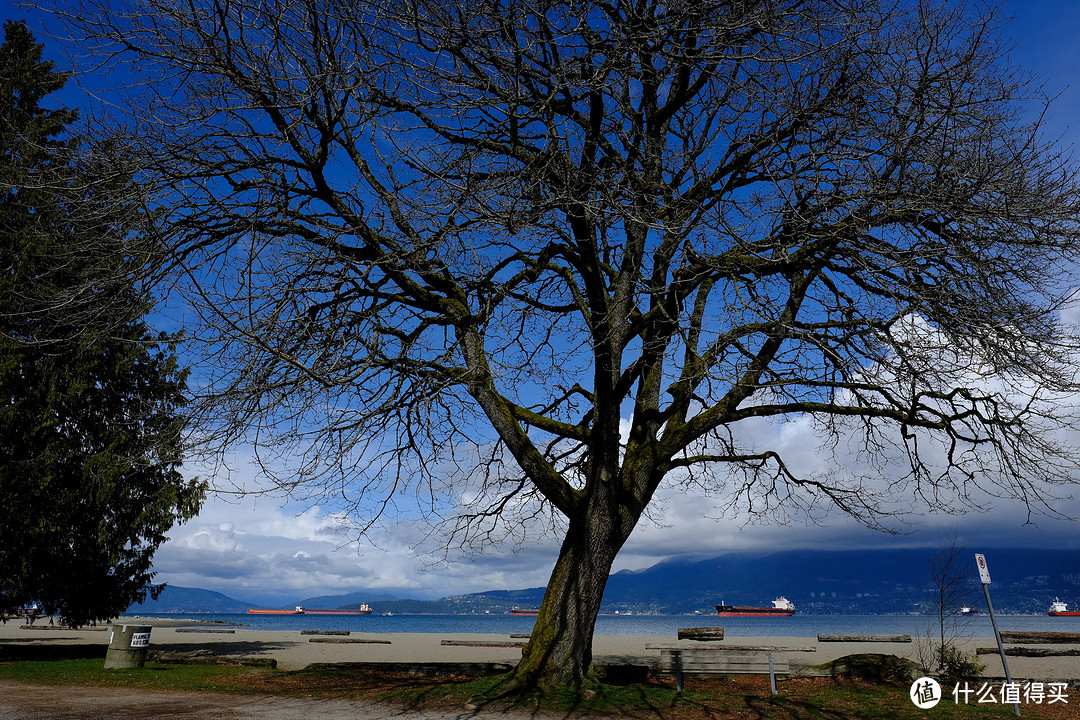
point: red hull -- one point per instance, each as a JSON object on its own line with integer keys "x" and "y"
{"x": 754, "y": 612}
{"x": 1067, "y": 613}
{"x": 524, "y": 613}
{"x": 305, "y": 611}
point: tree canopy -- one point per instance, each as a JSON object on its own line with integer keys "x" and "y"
{"x": 527, "y": 262}
{"x": 90, "y": 397}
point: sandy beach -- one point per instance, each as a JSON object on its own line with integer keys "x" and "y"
{"x": 293, "y": 650}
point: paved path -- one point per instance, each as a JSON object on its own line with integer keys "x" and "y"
{"x": 19, "y": 701}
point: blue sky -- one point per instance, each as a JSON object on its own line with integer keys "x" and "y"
{"x": 259, "y": 548}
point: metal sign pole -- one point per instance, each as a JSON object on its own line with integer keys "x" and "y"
{"x": 984, "y": 576}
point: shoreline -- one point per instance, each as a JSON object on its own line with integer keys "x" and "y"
{"x": 295, "y": 649}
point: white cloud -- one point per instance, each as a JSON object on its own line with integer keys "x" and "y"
{"x": 260, "y": 549}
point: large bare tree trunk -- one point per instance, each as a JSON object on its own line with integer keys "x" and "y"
{"x": 559, "y": 652}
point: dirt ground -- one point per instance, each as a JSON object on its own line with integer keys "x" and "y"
{"x": 34, "y": 702}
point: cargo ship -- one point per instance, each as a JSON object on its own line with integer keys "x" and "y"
{"x": 364, "y": 609}
{"x": 523, "y": 612}
{"x": 782, "y": 607}
{"x": 301, "y": 610}
{"x": 1060, "y": 609}
{"x": 298, "y": 611}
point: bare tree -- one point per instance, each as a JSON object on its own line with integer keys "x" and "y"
{"x": 951, "y": 585}
{"x": 528, "y": 261}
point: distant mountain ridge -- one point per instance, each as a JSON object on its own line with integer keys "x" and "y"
{"x": 175, "y": 599}
{"x": 842, "y": 581}
{"x": 832, "y": 581}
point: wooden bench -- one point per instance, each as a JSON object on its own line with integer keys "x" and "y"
{"x": 681, "y": 660}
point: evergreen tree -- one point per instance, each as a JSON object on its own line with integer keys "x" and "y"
{"x": 90, "y": 397}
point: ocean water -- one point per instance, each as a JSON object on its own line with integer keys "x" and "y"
{"x": 798, "y": 625}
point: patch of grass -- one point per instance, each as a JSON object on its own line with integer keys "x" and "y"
{"x": 729, "y": 697}
{"x": 154, "y": 676}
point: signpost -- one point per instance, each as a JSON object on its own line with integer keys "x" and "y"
{"x": 984, "y": 576}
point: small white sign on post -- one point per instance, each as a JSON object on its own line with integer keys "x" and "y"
{"x": 984, "y": 572}
{"x": 984, "y": 575}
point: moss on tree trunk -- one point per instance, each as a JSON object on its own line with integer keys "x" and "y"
{"x": 559, "y": 652}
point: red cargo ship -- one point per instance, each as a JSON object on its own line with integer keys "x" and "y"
{"x": 1060, "y": 609}
{"x": 522, "y": 612}
{"x": 301, "y": 610}
{"x": 782, "y": 607}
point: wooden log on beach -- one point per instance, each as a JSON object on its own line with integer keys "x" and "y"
{"x": 1039, "y": 638}
{"x": 342, "y": 641}
{"x": 484, "y": 643}
{"x": 324, "y": 632}
{"x": 703, "y": 634}
{"x": 823, "y": 637}
{"x": 216, "y": 630}
{"x": 725, "y": 648}
{"x": 1030, "y": 652}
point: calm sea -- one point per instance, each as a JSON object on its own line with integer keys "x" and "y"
{"x": 799, "y": 625}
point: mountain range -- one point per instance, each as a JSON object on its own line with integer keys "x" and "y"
{"x": 834, "y": 581}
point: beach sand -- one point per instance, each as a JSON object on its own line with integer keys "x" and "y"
{"x": 294, "y": 651}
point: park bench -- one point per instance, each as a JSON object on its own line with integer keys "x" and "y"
{"x": 681, "y": 660}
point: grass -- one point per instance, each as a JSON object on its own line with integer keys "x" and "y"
{"x": 89, "y": 672}
{"x": 734, "y": 697}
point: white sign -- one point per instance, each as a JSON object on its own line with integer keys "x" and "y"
{"x": 984, "y": 572}
{"x": 139, "y": 640}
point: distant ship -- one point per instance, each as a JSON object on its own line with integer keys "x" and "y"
{"x": 523, "y": 612}
{"x": 298, "y": 611}
{"x": 782, "y": 607}
{"x": 968, "y": 611}
{"x": 364, "y": 609}
{"x": 1060, "y": 609}
{"x": 301, "y": 610}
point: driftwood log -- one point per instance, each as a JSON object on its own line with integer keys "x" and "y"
{"x": 701, "y": 633}
{"x": 864, "y": 638}
{"x": 342, "y": 641}
{"x": 324, "y": 632}
{"x": 206, "y": 630}
{"x": 726, "y": 648}
{"x": 1039, "y": 638}
{"x": 1030, "y": 652}
{"x": 484, "y": 643}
